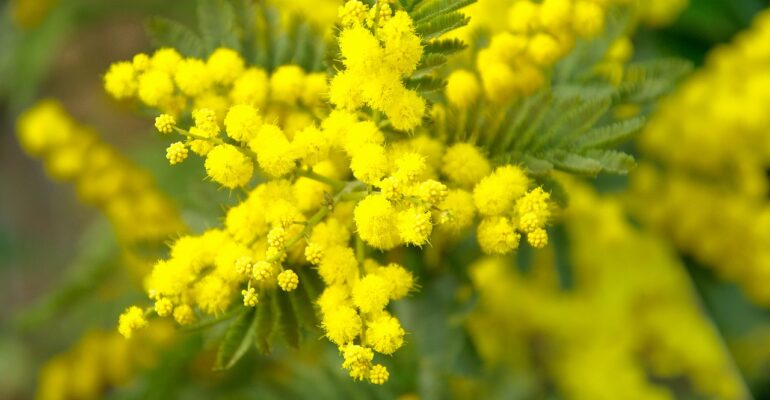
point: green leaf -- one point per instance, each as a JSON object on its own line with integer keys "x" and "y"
{"x": 218, "y": 24}
{"x": 576, "y": 164}
{"x": 440, "y": 25}
{"x": 536, "y": 166}
{"x": 303, "y": 307}
{"x": 167, "y": 33}
{"x": 266, "y": 321}
{"x": 428, "y": 63}
{"x": 237, "y": 340}
{"x": 611, "y": 135}
{"x": 426, "y": 84}
{"x": 288, "y": 319}
{"x": 572, "y": 120}
{"x": 430, "y": 9}
{"x": 444, "y": 46}
{"x": 648, "y": 81}
{"x": 612, "y": 161}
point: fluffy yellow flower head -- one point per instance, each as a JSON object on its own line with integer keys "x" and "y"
{"x": 497, "y": 236}
{"x": 225, "y": 65}
{"x": 376, "y": 222}
{"x": 131, "y": 321}
{"x": 342, "y": 325}
{"x": 228, "y": 166}
{"x": 462, "y": 89}
{"x": 465, "y": 165}
{"x": 496, "y": 193}
{"x": 385, "y": 334}
{"x": 120, "y": 80}
{"x": 242, "y": 122}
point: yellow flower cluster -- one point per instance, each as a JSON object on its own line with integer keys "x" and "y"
{"x": 517, "y": 61}
{"x": 714, "y": 206}
{"x": 175, "y": 85}
{"x": 376, "y": 61}
{"x": 121, "y": 190}
{"x": 332, "y": 190}
{"x": 353, "y": 309}
{"x": 99, "y": 362}
{"x": 604, "y": 338}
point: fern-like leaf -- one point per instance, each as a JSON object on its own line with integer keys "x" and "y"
{"x": 430, "y": 9}
{"x": 435, "y": 27}
{"x": 444, "y": 46}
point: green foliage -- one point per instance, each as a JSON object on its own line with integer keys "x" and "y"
{"x": 570, "y": 126}
{"x": 432, "y": 9}
{"x": 237, "y": 340}
{"x": 252, "y": 28}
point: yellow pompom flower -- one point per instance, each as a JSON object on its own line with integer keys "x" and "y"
{"x": 432, "y": 192}
{"x": 191, "y": 77}
{"x": 410, "y": 166}
{"x": 371, "y": 293}
{"x": 131, "y": 321}
{"x": 376, "y": 222}
{"x": 360, "y": 49}
{"x": 242, "y": 122}
{"x": 314, "y": 253}
{"x": 333, "y": 297}
{"x": 378, "y": 374}
{"x": 588, "y": 18}
{"x": 506, "y": 47}
{"x": 341, "y": 324}
{"x": 275, "y": 153}
{"x": 120, "y": 80}
{"x": 369, "y": 163}
{"x": 357, "y": 360}
{"x": 496, "y": 193}
{"x": 499, "y": 81}
{"x": 338, "y": 265}
{"x": 352, "y": 12}
{"x": 462, "y": 89}
{"x": 497, "y": 236}
{"x": 225, "y": 65}
{"x": 310, "y": 145}
{"x": 464, "y": 164}
{"x": 288, "y": 280}
{"x": 155, "y": 87}
{"x": 523, "y": 16}
{"x": 141, "y": 62}
{"x": 165, "y": 123}
{"x": 176, "y": 153}
{"x": 164, "y": 307}
{"x": 244, "y": 265}
{"x": 212, "y": 294}
{"x": 403, "y": 47}
{"x": 165, "y": 59}
{"x": 250, "y": 88}
{"x": 228, "y": 166}
{"x": 287, "y": 84}
{"x": 400, "y": 281}
{"x": 262, "y": 271}
{"x": 538, "y": 238}
{"x": 405, "y": 110}
{"x": 458, "y": 211}
{"x": 555, "y": 14}
{"x": 345, "y": 91}
{"x": 316, "y": 89}
{"x": 543, "y": 49}
{"x": 385, "y": 334}
{"x": 184, "y": 314}
{"x": 250, "y": 297}
{"x": 414, "y": 225}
